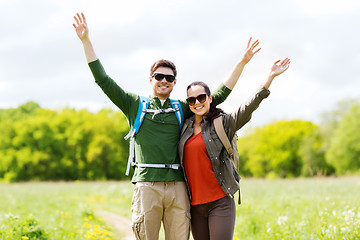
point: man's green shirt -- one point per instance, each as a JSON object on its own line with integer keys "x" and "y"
{"x": 158, "y": 137}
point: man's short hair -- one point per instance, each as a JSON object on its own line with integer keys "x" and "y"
{"x": 163, "y": 63}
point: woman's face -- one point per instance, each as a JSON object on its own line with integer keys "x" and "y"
{"x": 201, "y": 103}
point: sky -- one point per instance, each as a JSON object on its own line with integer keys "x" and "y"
{"x": 42, "y": 59}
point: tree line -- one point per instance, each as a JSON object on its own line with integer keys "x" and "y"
{"x": 42, "y": 144}
{"x": 299, "y": 148}
{"x": 68, "y": 144}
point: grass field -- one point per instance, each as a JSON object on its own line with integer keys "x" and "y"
{"x": 322, "y": 208}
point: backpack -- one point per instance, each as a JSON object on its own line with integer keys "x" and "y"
{"x": 140, "y": 115}
{"x": 231, "y": 148}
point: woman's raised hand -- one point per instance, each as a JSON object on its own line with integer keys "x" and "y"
{"x": 250, "y": 50}
{"x": 279, "y": 67}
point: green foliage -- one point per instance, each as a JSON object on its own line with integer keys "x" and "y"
{"x": 41, "y": 144}
{"x": 274, "y": 150}
{"x": 316, "y": 208}
{"x": 300, "y": 148}
{"x": 312, "y": 152}
{"x": 57, "y": 210}
{"x": 22, "y": 229}
{"x": 313, "y": 208}
{"x": 344, "y": 151}
{"x": 21, "y": 112}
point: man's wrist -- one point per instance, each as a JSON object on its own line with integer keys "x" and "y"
{"x": 86, "y": 40}
{"x": 243, "y": 61}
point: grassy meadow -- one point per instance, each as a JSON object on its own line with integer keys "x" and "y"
{"x": 319, "y": 208}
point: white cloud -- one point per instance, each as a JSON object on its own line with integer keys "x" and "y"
{"x": 325, "y": 7}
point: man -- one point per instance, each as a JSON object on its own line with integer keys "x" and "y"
{"x": 160, "y": 194}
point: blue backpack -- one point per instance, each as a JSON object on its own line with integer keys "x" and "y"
{"x": 140, "y": 115}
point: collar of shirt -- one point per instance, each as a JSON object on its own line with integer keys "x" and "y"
{"x": 155, "y": 102}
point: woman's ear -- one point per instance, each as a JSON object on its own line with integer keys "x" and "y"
{"x": 210, "y": 97}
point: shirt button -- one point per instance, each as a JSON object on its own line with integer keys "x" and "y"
{"x": 210, "y": 140}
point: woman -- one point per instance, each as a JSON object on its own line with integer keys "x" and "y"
{"x": 209, "y": 173}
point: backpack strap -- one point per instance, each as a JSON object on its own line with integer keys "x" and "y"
{"x": 175, "y": 166}
{"x": 220, "y": 131}
{"x": 140, "y": 115}
{"x": 178, "y": 111}
{"x": 143, "y": 106}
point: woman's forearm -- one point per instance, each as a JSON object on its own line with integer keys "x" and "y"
{"x": 268, "y": 81}
{"x": 234, "y": 76}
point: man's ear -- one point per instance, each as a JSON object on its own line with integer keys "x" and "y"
{"x": 174, "y": 82}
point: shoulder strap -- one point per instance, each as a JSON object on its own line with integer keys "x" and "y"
{"x": 178, "y": 111}
{"x": 143, "y": 105}
{"x": 219, "y": 128}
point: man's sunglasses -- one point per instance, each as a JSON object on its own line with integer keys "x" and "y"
{"x": 192, "y": 100}
{"x": 160, "y": 76}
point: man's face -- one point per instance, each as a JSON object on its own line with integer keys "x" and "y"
{"x": 162, "y": 88}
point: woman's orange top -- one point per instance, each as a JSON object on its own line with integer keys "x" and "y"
{"x": 201, "y": 178}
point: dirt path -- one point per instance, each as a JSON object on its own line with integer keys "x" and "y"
{"x": 122, "y": 224}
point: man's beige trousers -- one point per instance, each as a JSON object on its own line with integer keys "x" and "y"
{"x": 156, "y": 202}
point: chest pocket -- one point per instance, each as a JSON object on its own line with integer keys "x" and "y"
{"x": 215, "y": 143}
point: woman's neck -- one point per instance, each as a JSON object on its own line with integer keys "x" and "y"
{"x": 197, "y": 125}
{"x": 198, "y": 120}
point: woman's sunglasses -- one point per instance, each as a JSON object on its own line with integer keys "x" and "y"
{"x": 160, "y": 76}
{"x": 192, "y": 100}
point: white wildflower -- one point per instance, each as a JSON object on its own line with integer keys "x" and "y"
{"x": 10, "y": 215}
{"x": 282, "y": 219}
{"x": 351, "y": 213}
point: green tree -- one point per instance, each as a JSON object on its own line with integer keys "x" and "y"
{"x": 344, "y": 151}
{"x": 274, "y": 150}
{"x": 42, "y": 144}
{"x": 330, "y": 120}
{"x": 20, "y": 112}
{"x": 312, "y": 152}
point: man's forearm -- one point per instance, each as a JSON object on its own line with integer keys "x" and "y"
{"x": 220, "y": 94}
{"x": 89, "y": 50}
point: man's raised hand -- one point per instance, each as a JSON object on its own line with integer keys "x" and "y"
{"x": 81, "y": 26}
